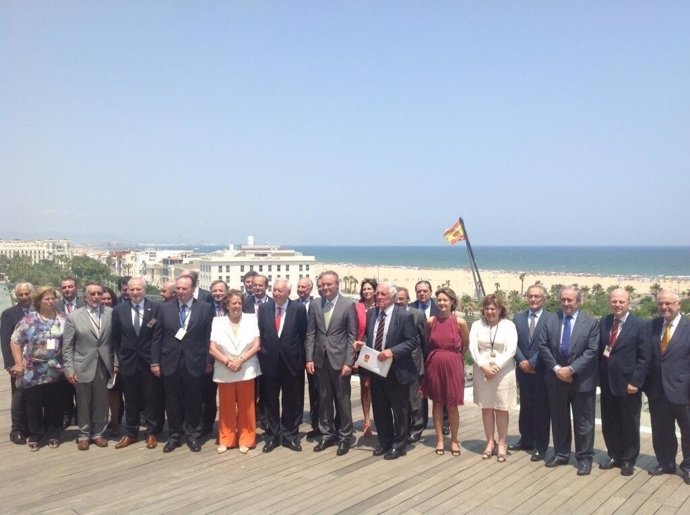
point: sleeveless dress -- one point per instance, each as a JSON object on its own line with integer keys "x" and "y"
{"x": 444, "y": 376}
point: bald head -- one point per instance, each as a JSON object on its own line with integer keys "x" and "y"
{"x": 619, "y": 302}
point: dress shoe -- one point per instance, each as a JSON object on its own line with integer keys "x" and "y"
{"x": 584, "y": 468}
{"x": 125, "y": 441}
{"x": 271, "y": 444}
{"x": 343, "y": 448}
{"x": 244, "y": 449}
{"x": 537, "y": 456}
{"x": 519, "y": 446}
{"x": 314, "y": 433}
{"x": 446, "y": 429}
{"x": 17, "y": 438}
{"x": 83, "y": 445}
{"x": 222, "y": 448}
{"x": 381, "y": 450}
{"x": 627, "y": 468}
{"x": 194, "y": 446}
{"x": 99, "y": 441}
{"x": 414, "y": 438}
{"x": 323, "y": 445}
{"x": 609, "y": 464}
{"x": 686, "y": 477}
{"x": 555, "y": 462}
{"x": 171, "y": 445}
{"x": 151, "y": 441}
{"x": 394, "y": 454}
{"x": 659, "y": 470}
{"x": 293, "y": 446}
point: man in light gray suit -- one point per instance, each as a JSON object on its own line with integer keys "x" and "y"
{"x": 331, "y": 331}
{"x": 89, "y": 361}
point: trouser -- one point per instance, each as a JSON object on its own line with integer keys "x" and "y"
{"x": 419, "y": 409}
{"x": 18, "y": 409}
{"x": 534, "y": 418}
{"x": 92, "y": 404}
{"x": 209, "y": 392}
{"x": 334, "y": 389}
{"x": 183, "y": 404}
{"x": 391, "y": 403}
{"x": 143, "y": 394}
{"x": 664, "y": 416}
{"x": 561, "y": 397}
{"x": 43, "y": 411}
{"x": 283, "y": 400}
{"x": 620, "y": 424}
{"x": 237, "y": 414}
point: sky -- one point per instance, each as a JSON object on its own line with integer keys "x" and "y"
{"x": 346, "y": 122}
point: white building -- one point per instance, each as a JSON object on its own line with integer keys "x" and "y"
{"x": 37, "y": 250}
{"x": 270, "y": 260}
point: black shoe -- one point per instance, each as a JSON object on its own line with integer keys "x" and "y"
{"x": 314, "y": 433}
{"x": 659, "y": 470}
{"x": 537, "y": 456}
{"x": 414, "y": 438}
{"x": 584, "y": 468}
{"x": 686, "y": 477}
{"x": 555, "y": 462}
{"x": 394, "y": 454}
{"x": 627, "y": 468}
{"x": 17, "y": 438}
{"x": 611, "y": 463}
{"x": 519, "y": 446}
{"x": 293, "y": 446}
{"x": 323, "y": 445}
{"x": 446, "y": 429}
{"x": 272, "y": 444}
{"x": 194, "y": 446}
{"x": 343, "y": 448}
{"x": 381, "y": 450}
{"x": 171, "y": 445}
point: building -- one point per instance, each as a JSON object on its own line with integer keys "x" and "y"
{"x": 270, "y": 260}
{"x": 37, "y": 250}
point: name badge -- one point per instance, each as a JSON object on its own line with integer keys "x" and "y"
{"x": 607, "y": 351}
{"x": 493, "y": 354}
{"x": 180, "y": 333}
{"x": 51, "y": 344}
{"x": 151, "y": 323}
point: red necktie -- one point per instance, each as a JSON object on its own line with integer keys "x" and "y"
{"x": 277, "y": 320}
{"x": 614, "y": 332}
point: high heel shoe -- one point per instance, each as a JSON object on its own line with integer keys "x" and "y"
{"x": 489, "y": 452}
{"x": 501, "y": 456}
{"x": 455, "y": 452}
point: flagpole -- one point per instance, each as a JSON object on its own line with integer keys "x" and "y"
{"x": 478, "y": 285}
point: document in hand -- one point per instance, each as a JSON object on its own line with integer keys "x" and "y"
{"x": 369, "y": 359}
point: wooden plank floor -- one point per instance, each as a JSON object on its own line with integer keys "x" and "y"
{"x": 147, "y": 481}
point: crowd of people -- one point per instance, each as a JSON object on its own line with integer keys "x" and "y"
{"x": 240, "y": 358}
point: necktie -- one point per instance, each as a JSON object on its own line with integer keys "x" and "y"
{"x": 137, "y": 319}
{"x": 220, "y": 311}
{"x": 279, "y": 312}
{"x": 183, "y": 314}
{"x": 532, "y": 324}
{"x": 378, "y": 342}
{"x": 614, "y": 332}
{"x": 666, "y": 339}
{"x": 256, "y": 306}
{"x": 327, "y": 312}
{"x": 565, "y": 340}
{"x": 69, "y": 307}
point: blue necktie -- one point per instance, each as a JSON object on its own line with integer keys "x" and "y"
{"x": 565, "y": 340}
{"x": 183, "y": 314}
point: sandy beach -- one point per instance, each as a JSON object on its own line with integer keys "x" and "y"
{"x": 461, "y": 278}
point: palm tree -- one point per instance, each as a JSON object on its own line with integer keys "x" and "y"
{"x": 522, "y": 282}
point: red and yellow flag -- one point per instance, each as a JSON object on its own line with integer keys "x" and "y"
{"x": 454, "y": 234}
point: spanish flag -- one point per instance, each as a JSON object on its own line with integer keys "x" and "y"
{"x": 454, "y": 234}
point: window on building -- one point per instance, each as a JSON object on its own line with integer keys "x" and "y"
{"x": 220, "y": 268}
{"x": 261, "y": 268}
{"x": 300, "y": 268}
{"x": 251, "y": 267}
{"x": 270, "y": 278}
{"x": 227, "y": 268}
{"x": 287, "y": 268}
{"x": 307, "y": 268}
{"x": 278, "y": 268}
{"x": 242, "y": 268}
{"x": 269, "y": 267}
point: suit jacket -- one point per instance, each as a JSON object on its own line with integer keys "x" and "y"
{"x": 190, "y": 352}
{"x": 401, "y": 339}
{"x": 8, "y": 321}
{"x": 60, "y": 305}
{"x": 631, "y": 356}
{"x": 332, "y": 345}
{"x": 582, "y": 355}
{"x": 289, "y": 345}
{"x": 528, "y": 348}
{"x": 670, "y": 373}
{"x": 421, "y": 351}
{"x": 250, "y": 303}
{"x": 82, "y": 345}
{"x": 132, "y": 351}
{"x": 433, "y": 308}
{"x": 205, "y": 296}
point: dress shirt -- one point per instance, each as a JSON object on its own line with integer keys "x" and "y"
{"x": 386, "y": 322}
{"x": 674, "y": 324}
{"x": 282, "y": 316}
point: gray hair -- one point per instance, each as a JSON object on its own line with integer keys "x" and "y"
{"x": 668, "y": 292}
{"x": 283, "y": 281}
{"x": 578, "y": 291}
{"x": 23, "y": 285}
{"x": 392, "y": 289}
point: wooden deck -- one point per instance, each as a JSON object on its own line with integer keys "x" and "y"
{"x": 139, "y": 480}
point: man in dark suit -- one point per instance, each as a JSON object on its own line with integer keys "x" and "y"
{"x": 625, "y": 354}
{"x": 331, "y": 331}
{"x": 8, "y": 321}
{"x": 123, "y": 287}
{"x": 419, "y": 354}
{"x": 179, "y": 352}
{"x": 530, "y": 371}
{"x": 304, "y": 289}
{"x": 132, "y": 332}
{"x": 253, "y": 301}
{"x": 390, "y": 330}
{"x": 668, "y": 385}
{"x": 568, "y": 346}
{"x": 282, "y": 332}
{"x": 199, "y": 293}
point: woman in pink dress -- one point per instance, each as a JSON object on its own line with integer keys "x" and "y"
{"x": 444, "y": 377}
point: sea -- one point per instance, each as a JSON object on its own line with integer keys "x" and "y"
{"x": 599, "y": 260}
